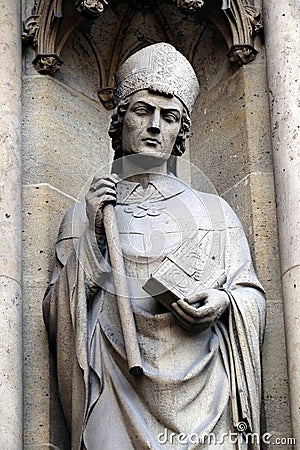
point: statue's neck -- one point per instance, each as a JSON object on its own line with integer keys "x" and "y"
{"x": 142, "y": 173}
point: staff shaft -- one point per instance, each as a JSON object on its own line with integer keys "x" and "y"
{"x": 120, "y": 281}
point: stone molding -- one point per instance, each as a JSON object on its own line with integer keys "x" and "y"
{"x": 245, "y": 22}
{"x": 241, "y": 54}
{"x": 52, "y": 21}
{"x": 47, "y": 64}
{"x": 91, "y": 9}
{"x": 29, "y": 32}
{"x": 189, "y": 5}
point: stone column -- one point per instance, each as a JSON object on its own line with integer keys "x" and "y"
{"x": 282, "y": 26}
{"x": 10, "y": 228}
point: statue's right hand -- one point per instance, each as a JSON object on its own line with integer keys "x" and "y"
{"x": 102, "y": 191}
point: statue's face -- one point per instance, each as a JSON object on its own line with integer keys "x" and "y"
{"x": 151, "y": 125}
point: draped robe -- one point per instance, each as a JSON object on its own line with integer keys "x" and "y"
{"x": 194, "y": 384}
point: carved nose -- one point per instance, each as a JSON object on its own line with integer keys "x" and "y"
{"x": 154, "y": 122}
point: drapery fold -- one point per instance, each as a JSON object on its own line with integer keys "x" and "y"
{"x": 75, "y": 329}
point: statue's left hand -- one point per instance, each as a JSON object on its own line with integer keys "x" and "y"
{"x": 201, "y": 310}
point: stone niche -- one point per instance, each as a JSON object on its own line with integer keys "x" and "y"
{"x": 98, "y": 47}
{"x": 65, "y": 142}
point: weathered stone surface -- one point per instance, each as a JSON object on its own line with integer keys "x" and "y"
{"x": 11, "y": 366}
{"x": 64, "y": 136}
{"x": 230, "y": 134}
{"x": 240, "y": 199}
{"x": 254, "y": 202}
{"x": 64, "y": 142}
{"x": 79, "y": 56}
{"x": 44, "y": 208}
{"x": 11, "y": 223}
{"x": 291, "y": 294}
{"x": 282, "y": 49}
{"x": 276, "y": 402}
{"x": 283, "y": 75}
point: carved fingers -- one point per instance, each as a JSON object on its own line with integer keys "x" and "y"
{"x": 102, "y": 191}
{"x": 201, "y": 310}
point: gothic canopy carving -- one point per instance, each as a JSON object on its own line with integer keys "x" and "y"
{"x": 52, "y": 21}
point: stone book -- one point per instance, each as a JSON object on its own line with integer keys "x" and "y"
{"x": 195, "y": 265}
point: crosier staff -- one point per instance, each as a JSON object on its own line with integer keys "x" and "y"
{"x": 121, "y": 289}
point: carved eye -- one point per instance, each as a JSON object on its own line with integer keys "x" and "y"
{"x": 171, "y": 117}
{"x": 141, "y": 110}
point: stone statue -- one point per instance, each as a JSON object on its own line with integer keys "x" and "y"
{"x": 197, "y": 305}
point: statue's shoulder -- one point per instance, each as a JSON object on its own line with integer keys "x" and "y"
{"x": 72, "y": 226}
{"x": 218, "y": 207}
{"x": 74, "y": 222}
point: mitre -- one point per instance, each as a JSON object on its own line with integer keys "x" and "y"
{"x": 161, "y": 68}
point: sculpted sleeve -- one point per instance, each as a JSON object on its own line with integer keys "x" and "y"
{"x": 79, "y": 269}
{"x": 245, "y": 328}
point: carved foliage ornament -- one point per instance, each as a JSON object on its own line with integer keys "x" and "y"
{"x": 245, "y": 22}
{"x": 47, "y": 64}
{"x": 47, "y": 31}
{"x": 91, "y": 9}
{"x": 107, "y": 98}
{"x": 30, "y": 27}
{"x": 255, "y": 19}
{"x": 189, "y": 5}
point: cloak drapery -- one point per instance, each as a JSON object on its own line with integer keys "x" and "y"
{"x": 194, "y": 383}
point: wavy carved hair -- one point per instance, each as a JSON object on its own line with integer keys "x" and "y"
{"x": 116, "y": 126}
